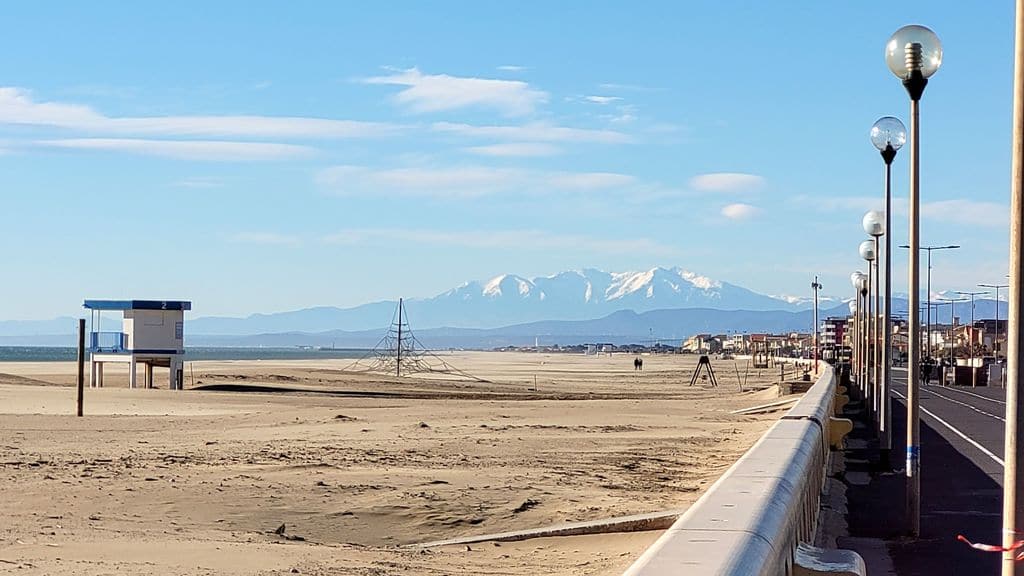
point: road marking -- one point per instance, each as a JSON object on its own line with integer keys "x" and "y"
{"x": 970, "y": 440}
{"x": 972, "y": 407}
{"x": 975, "y": 395}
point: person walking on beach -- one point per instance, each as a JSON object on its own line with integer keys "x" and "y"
{"x": 636, "y": 364}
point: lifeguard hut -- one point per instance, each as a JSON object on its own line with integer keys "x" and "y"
{"x": 151, "y": 334}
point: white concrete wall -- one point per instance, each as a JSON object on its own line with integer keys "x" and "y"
{"x": 154, "y": 329}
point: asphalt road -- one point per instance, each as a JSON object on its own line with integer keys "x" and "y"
{"x": 970, "y": 419}
{"x": 961, "y": 449}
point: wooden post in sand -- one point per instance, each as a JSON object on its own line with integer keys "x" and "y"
{"x": 81, "y": 363}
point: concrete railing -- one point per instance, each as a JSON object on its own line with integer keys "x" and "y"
{"x": 752, "y": 519}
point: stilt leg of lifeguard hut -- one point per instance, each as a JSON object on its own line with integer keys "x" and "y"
{"x": 133, "y": 375}
{"x": 99, "y": 374}
{"x": 149, "y": 374}
{"x": 92, "y": 373}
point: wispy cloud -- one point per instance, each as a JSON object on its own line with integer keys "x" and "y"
{"x": 533, "y": 132}
{"x": 739, "y": 211}
{"x": 508, "y": 68}
{"x": 466, "y": 181}
{"x": 198, "y": 182}
{"x": 516, "y": 149}
{"x": 855, "y": 204}
{"x": 440, "y": 92}
{"x": 18, "y": 108}
{"x": 726, "y": 182}
{"x": 264, "y": 239}
{"x": 209, "y": 150}
{"x": 968, "y": 212}
{"x": 602, "y": 99}
{"x": 500, "y": 239}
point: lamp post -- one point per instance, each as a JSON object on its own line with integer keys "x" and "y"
{"x": 928, "y": 288}
{"x": 974, "y": 371}
{"x": 1013, "y": 483}
{"x": 868, "y": 251}
{"x": 913, "y": 54}
{"x": 888, "y": 135}
{"x": 857, "y": 279}
{"x": 875, "y": 227}
{"x": 815, "y": 286}
{"x": 995, "y": 343}
{"x": 952, "y": 331}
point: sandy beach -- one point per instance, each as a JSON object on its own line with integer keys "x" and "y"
{"x": 358, "y": 466}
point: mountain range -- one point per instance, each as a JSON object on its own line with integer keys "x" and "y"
{"x": 569, "y": 307}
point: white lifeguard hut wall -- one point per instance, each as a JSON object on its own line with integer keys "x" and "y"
{"x": 152, "y": 334}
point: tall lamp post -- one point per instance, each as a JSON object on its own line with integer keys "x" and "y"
{"x": 913, "y": 54}
{"x": 928, "y": 289}
{"x": 888, "y": 135}
{"x": 995, "y": 343}
{"x": 873, "y": 223}
{"x": 952, "y": 331}
{"x": 815, "y": 286}
{"x": 974, "y": 371}
{"x": 868, "y": 251}
{"x": 1013, "y": 483}
{"x": 857, "y": 279}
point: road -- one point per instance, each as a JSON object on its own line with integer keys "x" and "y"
{"x": 961, "y": 482}
{"x": 970, "y": 419}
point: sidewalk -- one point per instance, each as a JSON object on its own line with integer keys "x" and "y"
{"x": 957, "y": 498}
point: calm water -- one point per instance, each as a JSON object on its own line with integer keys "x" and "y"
{"x": 47, "y": 354}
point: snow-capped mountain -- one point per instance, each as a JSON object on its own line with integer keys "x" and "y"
{"x": 511, "y": 299}
{"x": 504, "y": 300}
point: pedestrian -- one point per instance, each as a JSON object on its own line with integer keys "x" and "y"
{"x": 640, "y": 364}
{"x": 636, "y": 364}
{"x": 926, "y": 371}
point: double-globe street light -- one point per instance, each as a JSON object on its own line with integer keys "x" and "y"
{"x": 914, "y": 54}
{"x": 928, "y": 290}
{"x": 970, "y": 340}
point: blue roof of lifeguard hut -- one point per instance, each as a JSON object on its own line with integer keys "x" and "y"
{"x": 137, "y": 305}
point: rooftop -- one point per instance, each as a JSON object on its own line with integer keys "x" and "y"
{"x": 137, "y": 305}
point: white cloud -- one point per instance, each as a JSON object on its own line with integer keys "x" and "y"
{"x": 589, "y": 180}
{"x": 466, "y": 181}
{"x": 264, "y": 238}
{"x": 533, "y": 132}
{"x": 519, "y": 149}
{"x": 967, "y": 212}
{"x": 18, "y": 107}
{"x": 198, "y": 182}
{"x": 854, "y": 204}
{"x": 500, "y": 239}
{"x": 602, "y": 99}
{"x": 726, "y": 182}
{"x": 209, "y": 150}
{"x": 440, "y": 92}
{"x": 512, "y": 68}
{"x": 738, "y": 211}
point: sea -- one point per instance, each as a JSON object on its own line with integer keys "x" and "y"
{"x": 60, "y": 354}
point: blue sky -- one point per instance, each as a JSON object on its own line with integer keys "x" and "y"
{"x": 255, "y": 157}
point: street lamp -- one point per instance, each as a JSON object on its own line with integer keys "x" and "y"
{"x": 888, "y": 135}
{"x": 874, "y": 223}
{"x": 857, "y": 279}
{"x": 913, "y": 54}
{"x": 1013, "y": 451}
{"x": 867, "y": 250}
{"x": 995, "y": 344}
{"x": 952, "y": 333}
{"x": 815, "y": 286}
{"x": 928, "y": 288}
{"x": 974, "y": 371}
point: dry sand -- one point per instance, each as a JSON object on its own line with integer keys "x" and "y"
{"x": 358, "y": 465}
